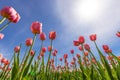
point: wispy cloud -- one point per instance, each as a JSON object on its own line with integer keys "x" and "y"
{"x": 104, "y": 25}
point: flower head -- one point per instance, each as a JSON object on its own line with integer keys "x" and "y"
{"x": 86, "y": 53}
{"x": 72, "y": 51}
{"x": 44, "y": 49}
{"x": 76, "y": 43}
{"x": 29, "y": 42}
{"x": 105, "y": 47}
{"x": 93, "y": 37}
{"x": 81, "y": 39}
{"x": 80, "y": 48}
{"x": 87, "y": 47}
{"x": 118, "y": 34}
{"x": 52, "y": 35}
{"x": 49, "y": 48}
{"x": 17, "y": 49}
{"x": 10, "y": 13}
{"x": 36, "y": 27}
{"x": 32, "y": 52}
{"x": 42, "y": 36}
{"x": 65, "y": 56}
{"x": 78, "y": 55}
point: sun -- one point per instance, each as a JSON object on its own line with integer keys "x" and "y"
{"x": 87, "y": 10}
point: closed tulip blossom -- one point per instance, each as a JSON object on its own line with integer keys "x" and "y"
{"x": 17, "y": 49}
{"x": 65, "y": 56}
{"x": 105, "y": 47}
{"x": 7, "y": 11}
{"x": 87, "y": 47}
{"x": 3, "y": 60}
{"x": 118, "y": 34}
{"x": 29, "y": 42}
{"x": 52, "y": 35}
{"x": 76, "y": 43}
{"x": 6, "y": 62}
{"x": 32, "y": 52}
{"x": 72, "y": 51}
{"x": 44, "y": 49}
{"x": 74, "y": 59}
{"x": 80, "y": 48}
{"x": 1, "y": 36}
{"x": 54, "y": 54}
{"x": 55, "y": 50}
{"x": 93, "y": 37}
{"x": 36, "y": 27}
{"x": 81, "y": 39}
{"x": 78, "y": 55}
{"x": 86, "y": 53}
{"x": 42, "y": 36}
{"x": 10, "y": 13}
{"x": 16, "y": 19}
{"x": 49, "y": 48}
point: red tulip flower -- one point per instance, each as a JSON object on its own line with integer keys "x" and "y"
{"x": 52, "y": 35}
{"x": 76, "y": 43}
{"x": 32, "y": 52}
{"x": 78, "y": 55}
{"x": 80, "y": 48}
{"x": 16, "y": 19}
{"x": 36, "y": 27}
{"x": 65, "y": 56}
{"x": 87, "y": 47}
{"x": 6, "y": 62}
{"x": 93, "y": 37}
{"x": 74, "y": 59}
{"x": 54, "y": 54}
{"x": 105, "y": 47}
{"x": 1, "y": 36}
{"x": 49, "y": 48}
{"x": 42, "y": 36}
{"x": 72, "y": 51}
{"x": 17, "y": 49}
{"x": 118, "y": 34}
{"x": 3, "y": 60}
{"x": 110, "y": 57}
{"x": 86, "y": 53}
{"x": 29, "y": 42}
{"x": 10, "y": 13}
{"x": 44, "y": 49}
{"x": 56, "y": 51}
{"x": 81, "y": 39}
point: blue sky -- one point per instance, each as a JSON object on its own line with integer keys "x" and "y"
{"x": 69, "y": 18}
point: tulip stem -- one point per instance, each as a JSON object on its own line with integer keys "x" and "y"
{"x": 49, "y": 57}
{"x": 2, "y": 20}
{"x": 3, "y": 27}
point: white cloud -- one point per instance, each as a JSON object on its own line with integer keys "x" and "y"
{"x": 104, "y": 21}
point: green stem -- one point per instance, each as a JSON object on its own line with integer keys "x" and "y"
{"x": 26, "y": 59}
{"x": 24, "y": 56}
{"x": 2, "y": 20}
{"x": 3, "y": 27}
{"x": 49, "y": 56}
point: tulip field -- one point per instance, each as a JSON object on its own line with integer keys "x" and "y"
{"x": 83, "y": 65}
